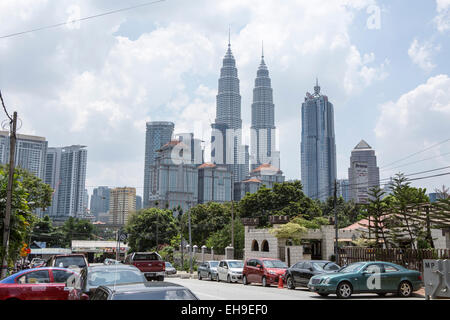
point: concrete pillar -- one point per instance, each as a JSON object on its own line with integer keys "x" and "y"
{"x": 212, "y": 253}
{"x": 194, "y": 249}
{"x": 203, "y": 253}
{"x": 229, "y": 252}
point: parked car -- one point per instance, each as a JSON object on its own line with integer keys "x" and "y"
{"x": 170, "y": 269}
{"x": 103, "y": 275}
{"x": 144, "y": 291}
{"x": 299, "y": 274}
{"x": 150, "y": 263}
{"x": 37, "y": 262}
{"x": 367, "y": 277}
{"x": 45, "y": 283}
{"x": 207, "y": 269}
{"x": 263, "y": 270}
{"x": 75, "y": 261}
{"x": 230, "y": 270}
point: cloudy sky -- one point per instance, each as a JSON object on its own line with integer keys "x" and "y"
{"x": 383, "y": 64}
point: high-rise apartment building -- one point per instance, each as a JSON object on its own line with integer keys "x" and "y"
{"x": 363, "y": 173}
{"x": 138, "y": 202}
{"x": 158, "y": 134}
{"x": 30, "y": 153}
{"x": 343, "y": 189}
{"x": 318, "y": 147}
{"x": 122, "y": 203}
{"x": 214, "y": 183}
{"x": 263, "y": 121}
{"x": 226, "y": 137}
{"x": 65, "y": 172}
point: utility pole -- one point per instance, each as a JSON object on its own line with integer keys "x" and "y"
{"x": 336, "y": 253}
{"x": 7, "y": 218}
{"x": 232, "y": 223}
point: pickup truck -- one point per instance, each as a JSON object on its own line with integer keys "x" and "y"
{"x": 150, "y": 263}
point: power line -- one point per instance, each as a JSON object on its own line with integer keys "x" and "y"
{"x": 4, "y": 107}
{"x": 81, "y": 19}
{"x": 416, "y": 153}
{"x": 408, "y": 164}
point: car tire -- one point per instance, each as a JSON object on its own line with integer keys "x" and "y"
{"x": 264, "y": 282}
{"x": 210, "y": 276}
{"x": 218, "y": 279}
{"x": 229, "y": 279}
{"x": 245, "y": 281}
{"x": 344, "y": 290}
{"x": 323, "y": 294}
{"x": 199, "y": 276}
{"x": 290, "y": 283}
{"x": 161, "y": 278}
{"x": 405, "y": 289}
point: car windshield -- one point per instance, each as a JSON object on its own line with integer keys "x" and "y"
{"x": 146, "y": 256}
{"x": 327, "y": 266}
{"x": 104, "y": 278}
{"x": 65, "y": 262}
{"x": 214, "y": 264}
{"x": 274, "y": 264}
{"x": 168, "y": 264}
{"x": 180, "y": 294}
{"x": 354, "y": 267}
{"x": 235, "y": 264}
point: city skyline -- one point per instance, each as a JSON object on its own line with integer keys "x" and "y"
{"x": 389, "y": 81}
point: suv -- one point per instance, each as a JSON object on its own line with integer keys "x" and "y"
{"x": 263, "y": 270}
{"x": 150, "y": 263}
{"x": 71, "y": 261}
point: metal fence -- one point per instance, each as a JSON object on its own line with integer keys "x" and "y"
{"x": 409, "y": 258}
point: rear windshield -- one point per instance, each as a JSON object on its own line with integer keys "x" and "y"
{"x": 146, "y": 256}
{"x": 104, "y": 278}
{"x": 66, "y": 262}
{"x": 181, "y": 294}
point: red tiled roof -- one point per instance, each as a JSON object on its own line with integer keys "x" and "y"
{"x": 266, "y": 167}
{"x": 252, "y": 180}
{"x": 206, "y": 165}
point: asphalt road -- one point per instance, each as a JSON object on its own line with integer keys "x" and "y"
{"x": 212, "y": 290}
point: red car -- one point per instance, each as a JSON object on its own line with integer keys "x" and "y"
{"x": 149, "y": 263}
{"x": 37, "y": 284}
{"x": 263, "y": 270}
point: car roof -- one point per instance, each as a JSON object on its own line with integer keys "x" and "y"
{"x": 142, "y": 287}
{"x": 13, "y": 276}
{"x": 112, "y": 267}
{"x": 69, "y": 255}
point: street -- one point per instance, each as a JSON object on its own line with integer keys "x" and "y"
{"x": 212, "y": 290}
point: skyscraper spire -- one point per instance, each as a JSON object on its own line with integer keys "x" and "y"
{"x": 262, "y": 50}
{"x": 317, "y": 87}
{"x": 229, "y": 36}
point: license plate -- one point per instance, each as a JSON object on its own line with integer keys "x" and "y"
{"x": 150, "y": 274}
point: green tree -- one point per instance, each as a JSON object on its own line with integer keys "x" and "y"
{"x": 77, "y": 229}
{"x": 141, "y": 228}
{"x": 44, "y": 231}
{"x": 347, "y": 212}
{"x": 29, "y": 193}
{"x": 377, "y": 209}
{"x": 221, "y": 238}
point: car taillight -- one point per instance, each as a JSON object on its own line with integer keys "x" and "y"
{"x": 420, "y": 277}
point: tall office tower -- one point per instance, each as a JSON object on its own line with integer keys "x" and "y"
{"x": 343, "y": 189}
{"x": 195, "y": 146}
{"x": 30, "y": 153}
{"x": 227, "y": 148}
{"x": 158, "y": 134}
{"x": 318, "y": 147}
{"x": 99, "y": 201}
{"x": 363, "y": 173}
{"x": 138, "y": 202}
{"x": 174, "y": 178}
{"x": 122, "y": 202}
{"x": 263, "y": 121}
{"x": 65, "y": 172}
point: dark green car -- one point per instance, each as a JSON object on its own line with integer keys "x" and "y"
{"x": 367, "y": 277}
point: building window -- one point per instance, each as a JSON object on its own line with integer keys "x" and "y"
{"x": 265, "y": 246}
{"x": 255, "y": 246}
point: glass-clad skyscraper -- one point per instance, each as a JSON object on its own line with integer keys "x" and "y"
{"x": 318, "y": 146}
{"x": 157, "y": 135}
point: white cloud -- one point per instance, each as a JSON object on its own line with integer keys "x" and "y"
{"x": 442, "y": 19}
{"x": 421, "y": 54}
{"x": 413, "y": 123}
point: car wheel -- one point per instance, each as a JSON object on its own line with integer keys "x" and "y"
{"x": 323, "y": 294}
{"x": 161, "y": 278}
{"x": 229, "y": 279}
{"x": 405, "y": 289}
{"x": 218, "y": 279}
{"x": 264, "y": 282}
{"x": 244, "y": 280}
{"x": 199, "y": 276}
{"x": 210, "y": 276}
{"x": 290, "y": 283}
{"x": 344, "y": 290}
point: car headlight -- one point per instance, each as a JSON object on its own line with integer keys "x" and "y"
{"x": 326, "y": 280}
{"x": 273, "y": 272}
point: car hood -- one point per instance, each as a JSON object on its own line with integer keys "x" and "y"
{"x": 213, "y": 268}
{"x": 277, "y": 270}
{"x": 236, "y": 269}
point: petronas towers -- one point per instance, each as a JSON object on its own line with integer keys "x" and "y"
{"x": 226, "y": 138}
